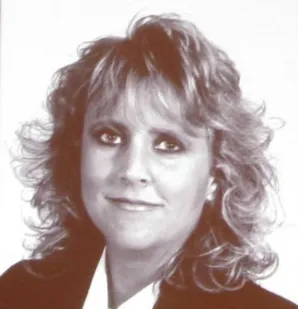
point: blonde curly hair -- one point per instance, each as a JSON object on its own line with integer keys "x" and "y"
{"x": 227, "y": 247}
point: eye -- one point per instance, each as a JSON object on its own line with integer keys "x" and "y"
{"x": 108, "y": 137}
{"x": 169, "y": 144}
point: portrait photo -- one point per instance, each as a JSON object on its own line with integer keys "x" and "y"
{"x": 148, "y": 154}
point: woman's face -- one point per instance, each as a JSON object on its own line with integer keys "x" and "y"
{"x": 144, "y": 177}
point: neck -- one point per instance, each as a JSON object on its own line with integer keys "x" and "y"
{"x": 129, "y": 271}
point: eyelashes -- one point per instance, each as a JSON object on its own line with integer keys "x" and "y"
{"x": 107, "y": 137}
{"x": 168, "y": 144}
{"x": 163, "y": 142}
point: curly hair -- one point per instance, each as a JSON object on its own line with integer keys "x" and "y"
{"x": 227, "y": 247}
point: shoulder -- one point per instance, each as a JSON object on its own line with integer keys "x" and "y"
{"x": 49, "y": 283}
{"x": 29, "y": 284}
{"x": 60, "y": 280}
{"x": 251, "y": 296}
{"x": 17, "y": 286}
{"x": 257, "y": 297}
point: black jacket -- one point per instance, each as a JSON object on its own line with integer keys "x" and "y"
{"x": 66, "y": 279}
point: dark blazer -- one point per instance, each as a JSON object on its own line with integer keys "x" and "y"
{"x": 65, "y": 281}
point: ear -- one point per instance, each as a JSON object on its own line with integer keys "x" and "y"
{"x": 211, "y": 188}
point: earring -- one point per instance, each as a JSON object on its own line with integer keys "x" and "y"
{"x": 212, "y": 186}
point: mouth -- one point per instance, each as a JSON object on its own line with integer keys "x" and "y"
{"x": 133, "y": 204}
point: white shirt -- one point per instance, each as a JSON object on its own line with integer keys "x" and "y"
{"x": 97, "y": 296}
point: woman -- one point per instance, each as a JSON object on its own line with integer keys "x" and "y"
{"x": 151, "y": 180}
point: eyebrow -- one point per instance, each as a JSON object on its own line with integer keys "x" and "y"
{"x": 198, "y": 132}
{"x": 115, "y": 124}
{"x": 168, "y": 132}
{"x": 175, "y": 133}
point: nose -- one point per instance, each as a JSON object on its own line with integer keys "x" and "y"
{"x": 133, "y": 164}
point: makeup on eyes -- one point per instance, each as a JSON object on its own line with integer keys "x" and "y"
{"x": 107, "y": 136}
{"x": 112, "y": 134}
{"x": 168, "y": 143}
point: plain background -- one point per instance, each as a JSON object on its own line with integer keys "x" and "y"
{"x": 38, "y": 37}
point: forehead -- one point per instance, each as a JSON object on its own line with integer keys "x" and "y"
{"x": 147, "y": 101}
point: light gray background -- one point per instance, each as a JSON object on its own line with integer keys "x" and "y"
{"x": 260, "y": 35}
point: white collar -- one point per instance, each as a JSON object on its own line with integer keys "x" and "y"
{"x": 97, "y": 296}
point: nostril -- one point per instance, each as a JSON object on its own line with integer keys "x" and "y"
{"x": 135, "y": 180}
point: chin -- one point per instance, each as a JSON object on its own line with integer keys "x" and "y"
{"x": 133, "y": 242}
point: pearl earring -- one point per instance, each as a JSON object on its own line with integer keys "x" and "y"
{"x": 211, "y": 191}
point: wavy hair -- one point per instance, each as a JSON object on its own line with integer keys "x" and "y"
{"x": 227, "y": 247}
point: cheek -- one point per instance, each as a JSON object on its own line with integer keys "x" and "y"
{"x": 184, "y": 188}
{"x": 93, "y": 181}
{"x": 95, "y": 164}
{"x": 185, "y": 194}
{"x": 94, "y": 174}
{"x": 186, "y": 178}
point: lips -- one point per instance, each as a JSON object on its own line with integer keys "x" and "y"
{"x": 132, "y": 204}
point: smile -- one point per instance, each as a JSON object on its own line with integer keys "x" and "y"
{"x": 132, "y": 205}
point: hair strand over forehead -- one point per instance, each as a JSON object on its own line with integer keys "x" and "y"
{"x": 168, "y": 55}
